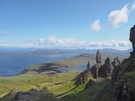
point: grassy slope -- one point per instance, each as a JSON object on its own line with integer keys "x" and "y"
{"x": 61, "y": 85}
{"x": 24, "y": 83}
{"x": 73, "y": 61}
{"x": 85, "y": 94}
{"x": 131, "y": 82}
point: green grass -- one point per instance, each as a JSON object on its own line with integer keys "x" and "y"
{"x": 131, "y": 82}
{"x": 81, "y": 94}
{"x": 24, "y": 83}
{"x": 61, "y": 85}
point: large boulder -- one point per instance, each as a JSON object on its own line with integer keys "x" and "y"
{"x": 34, "y": 95}
{"x": 95, "y": 70}
{"x": 107, "y": 69}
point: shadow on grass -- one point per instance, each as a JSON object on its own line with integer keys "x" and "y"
{"x": 67, "y": 91}
{"x": 86, "y": 94}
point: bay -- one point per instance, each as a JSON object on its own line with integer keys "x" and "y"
{"x": 12, "y": 65}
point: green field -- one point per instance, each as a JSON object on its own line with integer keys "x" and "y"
{"x": 62, "y": 85}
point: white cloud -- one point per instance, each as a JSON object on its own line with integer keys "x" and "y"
{"x": 133, "y": 6}
{"x": 116, "y": 17}
{"x": 96, "y": 26}
{"x": 53, "y": 42}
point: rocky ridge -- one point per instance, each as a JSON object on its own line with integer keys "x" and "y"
{"x": 122, "y": 85}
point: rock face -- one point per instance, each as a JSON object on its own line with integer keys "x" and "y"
{"x": 84, "y": 76}
{"x": 116, "y": 62}
{"x": 123, "y": 78}
{"x": 33, "y": 95}
{"x": 88, "y": 70}
{"x": 98, "y": 57}
{"x": 96, "y": 67}
{"x": 132, "y": 39}
{"x": 122, "y": 85}
{"x": 106, "y": 69}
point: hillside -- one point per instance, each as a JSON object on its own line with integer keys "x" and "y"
{"x": 37, "y": 52}
{"x": 60, "y": 85}
{"x": 71, "y": 62}
{"x": 122, "y": 85}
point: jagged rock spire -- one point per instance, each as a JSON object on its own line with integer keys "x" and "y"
{"x": 98, "y": 57}
{"x": 88, "y": 67}
{"x": 116, "y": 62}
{"x": 107, "y": 61}
{"x": 85, "y": 75}
{"x": 96, "y": 67}
{"x": 88, "y": 70}
{"x": 132, "y": 39}
{"x": 106, "y": 69}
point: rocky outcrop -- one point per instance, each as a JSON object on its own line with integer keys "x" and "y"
{"x": 106, "y": 69}
{"x": 122, "y": 85}
{"x": 98, "y": 57}
{"x": 132, "y": 40}
{"x": 85, "y": 76}
{"x": 95, "y": 70}
{"x": 34, "y": 95}
{"x": 96, "y": 67}
{"x": 116, "y": 62}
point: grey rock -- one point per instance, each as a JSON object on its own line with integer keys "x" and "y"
{"x": 84, "y": 76}
{"x": 95, "y": 70}
{"x": 34, "y": 95}
{"x": 132, "y": 39}
{"x": 98, "y": 57}
{"x": 116, "y": 62}
{"x": 96, "y": 67}
{"x": 107, "y": 69}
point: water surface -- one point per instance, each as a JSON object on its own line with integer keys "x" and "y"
{"x": 12, "y": 65}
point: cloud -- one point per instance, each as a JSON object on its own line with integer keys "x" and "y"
{"x": 53, "y": 42}
{"x": 117, "y": 17}
{"x": 95, "y": 26}
{"x": 133, "y": 6}
{"x": 3, "y": 34}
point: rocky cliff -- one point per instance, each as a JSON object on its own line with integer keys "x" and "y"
{"x": 122, "y": 85}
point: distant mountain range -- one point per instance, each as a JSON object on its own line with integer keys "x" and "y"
{"x": 33, "y": 51}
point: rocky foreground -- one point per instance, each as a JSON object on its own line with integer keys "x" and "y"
{"x": 122, "y": 85}
{"x": 35, "y": 95}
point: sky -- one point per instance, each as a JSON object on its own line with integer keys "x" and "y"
{"x": 87, "y": 24}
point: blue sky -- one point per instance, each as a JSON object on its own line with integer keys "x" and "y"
{"x": 66, "y": 23}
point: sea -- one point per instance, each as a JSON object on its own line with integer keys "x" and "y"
{"x": 12, "y": 65}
